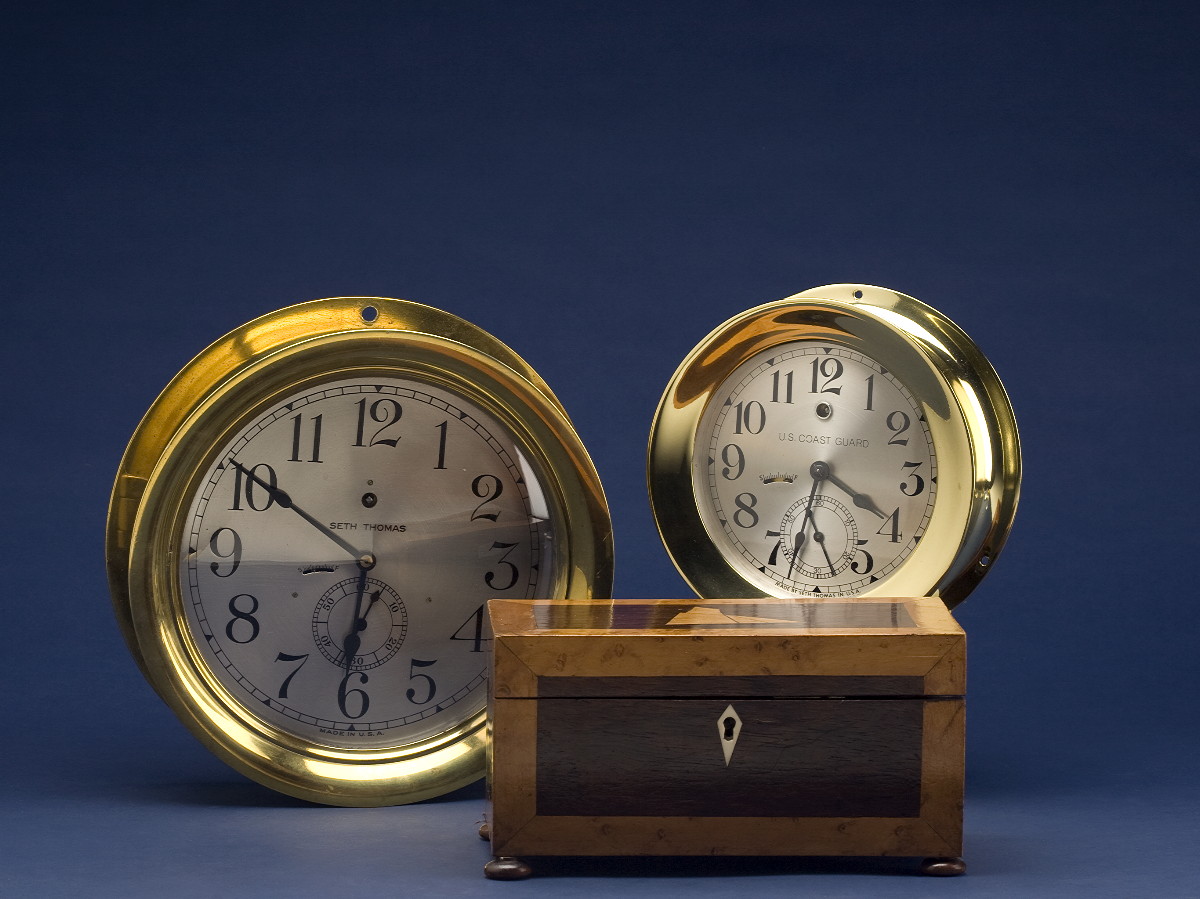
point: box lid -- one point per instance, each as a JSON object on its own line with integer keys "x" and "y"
{"x": 802, "y": 647}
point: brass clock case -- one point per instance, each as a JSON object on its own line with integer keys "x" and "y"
{"x": 225, "y": 388}
{"x": 969, "y": 416}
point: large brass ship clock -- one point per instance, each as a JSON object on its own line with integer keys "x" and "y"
{"x": 305, "y": 528}
{"x": 846, "y": 441}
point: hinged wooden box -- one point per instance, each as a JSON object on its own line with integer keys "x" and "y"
{"x": 726, "y": 727}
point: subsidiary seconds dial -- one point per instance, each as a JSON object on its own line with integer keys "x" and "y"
{"x": 814, "y": 469}
{"x": 339, "y": 550}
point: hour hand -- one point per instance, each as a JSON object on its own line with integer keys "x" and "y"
{"x": 859, "y": 499}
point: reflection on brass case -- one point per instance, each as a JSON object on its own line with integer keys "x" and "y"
{"x": 226, "y": 389}
{"x": 959, "y": 405}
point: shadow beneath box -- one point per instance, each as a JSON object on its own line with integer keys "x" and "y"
{"x": 724, "y": 866}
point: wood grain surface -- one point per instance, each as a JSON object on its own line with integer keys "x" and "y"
{"x": 663, "y": 757}
{"x": 606, "y": 740}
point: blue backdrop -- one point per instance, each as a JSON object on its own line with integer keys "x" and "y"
{"x": 599, "y": 185}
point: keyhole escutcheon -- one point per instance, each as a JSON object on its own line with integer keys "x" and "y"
{"x": 729, "y": 726}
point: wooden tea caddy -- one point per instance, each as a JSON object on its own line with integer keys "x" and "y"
{"x": 814, "y": 727}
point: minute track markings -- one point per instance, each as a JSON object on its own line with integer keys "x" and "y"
{"x": 290, "y": 498}
{"x": 866, "y": 389}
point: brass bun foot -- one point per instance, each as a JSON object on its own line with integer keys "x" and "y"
{"x": 943, "y": 867}
{"x": 485, "y": 831}
{"x": 506, "y": 868}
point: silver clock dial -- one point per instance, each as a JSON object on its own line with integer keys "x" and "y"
{"x": 814, "y": 470}
{"x": 339, "y": 550}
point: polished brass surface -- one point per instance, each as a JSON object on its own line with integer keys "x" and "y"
{"x": 507, "y": 868}
{"x": 223, "y": 389}
{"x": 943, "y": 867}
{"x": 968, "y": 412}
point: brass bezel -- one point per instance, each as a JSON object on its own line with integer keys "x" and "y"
{"x": 969, "y": 415}
{"x": 222, "y": 390}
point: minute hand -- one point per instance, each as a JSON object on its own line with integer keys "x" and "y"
{"x": 281, "y": 498}
{"x": 860, "y": 499}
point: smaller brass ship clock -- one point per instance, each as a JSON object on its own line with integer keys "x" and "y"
{"x": 846, "y": 441}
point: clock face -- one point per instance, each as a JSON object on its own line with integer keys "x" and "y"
{"x": 814, "y": 470}
{"x": 338, "y": 552}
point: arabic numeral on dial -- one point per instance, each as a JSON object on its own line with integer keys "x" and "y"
{"x": 360, "y": 696}
{"x": 249, "y": 489}
{"x": 735, "y": 462}
{"x": 914, "y": 484}
{"x": 786, "y": 381}
{"x": 868, "y": 559}
{"x": 891, "y": 527}
{"x": 491, "y": 578}
{"x": 829, "y": 369}
{"x": 297, "y": 430}
{"x": 247, "y": 630}
{"x": 898, "y": 422}
{"x": 745, "y": 516}
{"x": 234, "y": 554}
{"x": 441, "y": 463}
{"x": 284, "y": 657}
{"x": 774, "y": 557}
{"x": 385, "y": 413}
{"x": 429, "y": 685}
{"x": 751, "y": 416}
{"x": 870, "y": 393}
{"x": 488, "y": 488}
{"x": 474, "y": 628}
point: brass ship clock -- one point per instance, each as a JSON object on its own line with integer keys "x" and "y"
{"x": 308, "y": 522}
{"x": 846, "y": 441}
